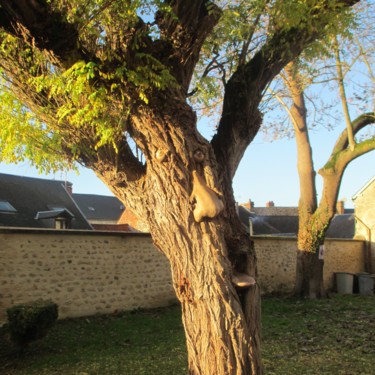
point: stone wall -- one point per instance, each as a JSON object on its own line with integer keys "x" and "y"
{"x": 88, "y": 273}
{"x": 84, "y": 273}
{"x": 277, "y": 261}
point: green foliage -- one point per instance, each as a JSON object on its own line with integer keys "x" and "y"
{"x": 31, "y": 321}
{"x": 24, "y": 137}
{"x": 53, "y": 115}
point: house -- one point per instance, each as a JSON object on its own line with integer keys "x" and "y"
{"x": 364, "y": 203}
{"x": 135, "y": 223}
{"x": 101, "y": 211}
{"x": 38, "y": 203}
{"x": 283, "y": 221}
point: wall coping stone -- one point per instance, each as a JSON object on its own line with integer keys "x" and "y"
{"x": 294, "y": 238}
{"x": 47, "y": 231}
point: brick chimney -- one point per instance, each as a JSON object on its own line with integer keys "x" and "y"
{"x": 251, "y": 205}
{"x": 340, "y": 207}
{"x": 270, "y": 204}
{"x": 69, "y": 187}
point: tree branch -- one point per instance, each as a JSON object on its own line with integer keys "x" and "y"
{"x": 341, "y": 154}
{"x": 358, "y": 124}
{"x": 241, "y": 118}
{"x": 344, "y": 102}
{"x": 183, "y": 33}
{"x": 38, "y": 25}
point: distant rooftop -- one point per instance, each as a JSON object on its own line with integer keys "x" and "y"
{"x": 342, "y": 226}
{"x": 99, "y": 207}
{"x": 25, "y": 202}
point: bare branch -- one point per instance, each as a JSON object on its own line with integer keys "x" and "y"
{"x": 344, "y": 102}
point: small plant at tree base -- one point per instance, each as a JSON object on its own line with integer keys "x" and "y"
{"x": 31, "y": 321}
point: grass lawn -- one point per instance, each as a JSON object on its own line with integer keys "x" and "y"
{"x": 333, "y": 336}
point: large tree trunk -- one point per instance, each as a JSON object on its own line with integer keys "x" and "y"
{"x": 221, "y": 337}
{"x": 222, "y": 322}
{"x": 309, "y": 269}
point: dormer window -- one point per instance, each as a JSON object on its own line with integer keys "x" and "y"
{"x": 62, "y": 217}
{"x": 6, "y": 207}
{"x": 62, "y": 223}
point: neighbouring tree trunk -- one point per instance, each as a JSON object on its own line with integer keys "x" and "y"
{"x": 309, "y": 275}
{"x": 311, "y": 230}
{"x": 314, "y": 219}
{"x": 309, "y": 268}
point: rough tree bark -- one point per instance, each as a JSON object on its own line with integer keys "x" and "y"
{"x": 206, "y": 249}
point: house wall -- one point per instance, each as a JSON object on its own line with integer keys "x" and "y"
{"x": 88, "y": 273}
{"x": 277, "y": 261}
{"x": 128, "y": 217}
{"x": 365, "y": 220}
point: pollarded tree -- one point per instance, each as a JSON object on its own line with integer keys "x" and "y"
{"x": 85, "y": 80}
{"x": 314, "y": 216}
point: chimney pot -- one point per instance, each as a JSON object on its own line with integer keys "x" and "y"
{"x": 340, "y": 207}
{"x": 270, "y": 204}
{"x": 251, "y": 205}
{"x": 69, "y": 187}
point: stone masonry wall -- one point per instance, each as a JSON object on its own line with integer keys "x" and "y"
{"x": 89, "y": 273}
{"x": 277, "y": 261}
{"x": 84, "y": 273}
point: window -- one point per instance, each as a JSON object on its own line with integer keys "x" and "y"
{"x": 6, "y": 207}
{"x": 62, "y": 223}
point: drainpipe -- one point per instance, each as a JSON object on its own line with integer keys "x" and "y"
{"x": 368, "y": 246}
{"x": 251, "y": 227}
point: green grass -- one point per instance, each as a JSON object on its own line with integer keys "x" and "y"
{"x": 333, "y": 336}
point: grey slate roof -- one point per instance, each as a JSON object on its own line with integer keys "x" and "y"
{"x": 342, "y": 226}
{"x": 275, "y": 225}
{"x": 30, "y": 196}
{"x": 99, "y": 207}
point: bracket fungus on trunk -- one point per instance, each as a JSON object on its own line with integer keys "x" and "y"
{"x": 242, "y": 280}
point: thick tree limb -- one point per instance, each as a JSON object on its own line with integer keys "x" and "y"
{"x": 35, "y": 22}
{"x": 358, "y": 124}
{"x": 241, "y": 117}
{"x": 183, "y": 33}
{"x": 341, "y": 154}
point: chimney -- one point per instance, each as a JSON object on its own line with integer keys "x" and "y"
{"x": 251, "y": 205}
{"x": 270, "y": 204}
{"x": 340, "y": 207}
{"x": 69, "y": 187}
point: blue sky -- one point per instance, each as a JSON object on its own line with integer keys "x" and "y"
{"x": 268, "y": 171}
